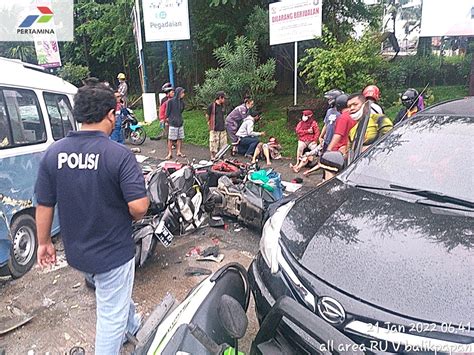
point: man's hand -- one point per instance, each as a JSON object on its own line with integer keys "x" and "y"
{"x": 321, "y": 140}
{"x": 310, "y": 131}
{"x": 46, "y": 255}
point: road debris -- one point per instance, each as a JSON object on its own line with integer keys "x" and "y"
{"x": 217, "y": 259}
{"x": 197, "y": 271}
{"x": 196, "y": 251}
{"x": 77, "y": 285}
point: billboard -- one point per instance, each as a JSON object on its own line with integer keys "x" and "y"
{"x": 47, "y": 53}
{"x": 294, "y": 21}
{"x": 166, "y": 20}
{"x": 27, "y": 20}
{"x": 447, "y": 18}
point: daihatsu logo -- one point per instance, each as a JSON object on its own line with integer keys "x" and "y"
{"x": 331, "y": 310}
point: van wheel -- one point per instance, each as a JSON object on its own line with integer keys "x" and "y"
{"x": 24, "y": 245}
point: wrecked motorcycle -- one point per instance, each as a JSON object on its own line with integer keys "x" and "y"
{"x": 179, "y": 203}
{"x": 248, "y": 201}
{"x": 212, "y": 319}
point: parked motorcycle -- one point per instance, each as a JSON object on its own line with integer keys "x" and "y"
{"x": 131, "y": 129}
{"x": 212, "y": 319}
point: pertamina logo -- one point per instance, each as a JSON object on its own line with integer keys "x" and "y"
{"x": 34, "y": 24}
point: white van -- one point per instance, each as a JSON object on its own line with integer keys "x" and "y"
{"x": 35, "y": 111}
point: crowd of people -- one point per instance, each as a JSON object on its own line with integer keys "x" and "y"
{"x": 238, "y": 126}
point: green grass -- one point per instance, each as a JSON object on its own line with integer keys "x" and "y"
{"x": 274, "y": 122}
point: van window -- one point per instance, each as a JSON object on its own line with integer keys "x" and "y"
{"x": 22, "y": 122}
{"x": 60, "y": 114}
{"x": 5, "y": 137}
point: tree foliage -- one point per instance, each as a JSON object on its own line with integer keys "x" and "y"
{"x": 349, "y": 65}
{"x": 74, "y": 73}
{"x": 239, "y": 74}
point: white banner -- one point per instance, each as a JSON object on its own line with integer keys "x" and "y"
{"x": 294, "y": 21}
{"x": 447, "y": 18}
{"x": 166, "y": 20}
{"x": 47, "y": 53}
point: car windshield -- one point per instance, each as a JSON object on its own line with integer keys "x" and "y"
{"x": 432, "y": 153}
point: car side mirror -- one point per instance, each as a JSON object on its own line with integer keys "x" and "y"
{"x": 232, "y": 317}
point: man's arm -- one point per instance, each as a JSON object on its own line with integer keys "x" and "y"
{"x": 323, "y": 134}
{"x": 138, "y": 208}
{"x": 334, "y": 141}
{"x": 46, "y": 254}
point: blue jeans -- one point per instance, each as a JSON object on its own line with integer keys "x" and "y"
{"x": 115, "y": 308}
{"x": 247, "y": 145}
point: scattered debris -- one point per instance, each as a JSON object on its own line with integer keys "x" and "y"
{"x": 67, "y": 336}
{"x": 135, "y": 150}
{"x": 196, "y": 251}
{"x": 214, "y": 251}
{"x": 77, "y": 285}
{"x": 141, "y": 158}
{"x": 60, "y": 263}
{"x": 216, "y": 222}
{"x": 292, "y": 186}
{"x": 55, "y": 281}
{"x": 215, "y": 258}
{"x": 197, "y": 271}
{"x": 75, "y": 306}
{"x": 237, "y": 230}
{"x": 8, "y": 324}
{"x": 247, "y": 254}
{"x": 48, "y": 302}
{"x": 153, "y": 151}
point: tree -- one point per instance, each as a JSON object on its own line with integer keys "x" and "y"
{"x": 239, "y": 74}
{"x": 74, "y": 73}
{"x": 349, "y": 65}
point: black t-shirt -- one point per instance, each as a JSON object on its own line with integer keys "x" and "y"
{"x": 91, "y": 179}
{"x": 219, "y": 116}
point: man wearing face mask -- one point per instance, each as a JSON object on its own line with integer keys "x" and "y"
{"x": 307, "y": 131}
{"x": 345, "y": 122}
{"x": 99, "y": 189}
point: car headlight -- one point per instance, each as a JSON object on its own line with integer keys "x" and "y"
{"x": 269, "y": 243}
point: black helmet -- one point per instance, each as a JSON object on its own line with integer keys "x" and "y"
{"x": 410, "y": 98}
{"x": 167, "y": 87}
{"x": 341, "y": 102}
{"x": 331, "y": 96}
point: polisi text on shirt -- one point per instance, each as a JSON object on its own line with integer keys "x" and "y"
{"x": 89, "y": 161}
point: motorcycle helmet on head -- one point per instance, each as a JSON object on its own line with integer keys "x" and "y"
{"x": 372, "y": 92}
{"x": 167, "y": 87}
{"x": 331, "y": 96}
{"x": 410, "y": 98}
{"x": 341, "y": 102}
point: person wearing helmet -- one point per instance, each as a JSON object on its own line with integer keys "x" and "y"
{"x": 168, "y": 89}
{"x": 372, "y": 94}
{"x": 410, "y": 99}
{"x": 332, "y": 115}
{"x": 122, "y": 88}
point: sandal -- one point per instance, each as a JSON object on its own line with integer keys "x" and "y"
{"x": 168, "y": 157}
{"x": 181, "y": 155}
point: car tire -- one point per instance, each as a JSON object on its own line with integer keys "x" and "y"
{"x": 24, "y": 245}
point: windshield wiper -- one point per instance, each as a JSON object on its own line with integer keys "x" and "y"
{"x": 433, "y": 195}
{"x": 427, "y": 194}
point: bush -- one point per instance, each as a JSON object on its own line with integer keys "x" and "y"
{"x": 349, "y": 66}
{"x": 418, "y": 71}
{"x": 74, "y": 73}
{"x": 239, "y": 74}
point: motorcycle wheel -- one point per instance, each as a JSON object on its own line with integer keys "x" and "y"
{"x": 138, "y": 136}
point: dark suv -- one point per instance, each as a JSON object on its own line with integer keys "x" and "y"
{"x": 384, "y": 252}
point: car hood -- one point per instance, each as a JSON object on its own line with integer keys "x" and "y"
{"x": 407, "y": 258}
